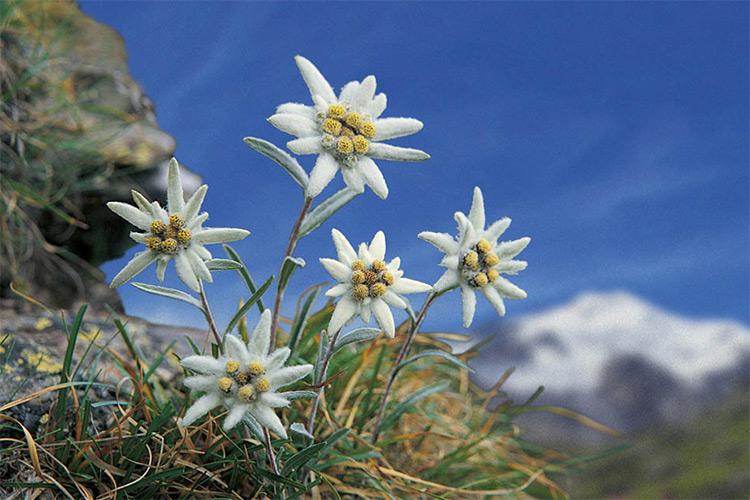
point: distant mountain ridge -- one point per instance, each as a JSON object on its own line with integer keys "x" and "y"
{"x": 619, "y": 358}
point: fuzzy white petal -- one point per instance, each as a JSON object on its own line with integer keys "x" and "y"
{"x": 202, "y": 252}
{"x": 372, "y": 175}
{"x": 288, "y": 375}
{"x": 383, "y": 316}
{"x": 277, "y": 358}
{"x": 305, "y": 145}
{"x": 379, "y": 150}
{"x": 199, "y": 267}
{"x": 161, "y": 268}
{"x": 365, "y": 93}
{"x": 365, "y": 312}
{"x": 236, "y": 350}
{"x": 131, "y": 214}
{"x": 476, "y": 214}
{"x": 509, "y": 249}
{"x": 185, "y": 271}
{"x": 406, "y": 285}
{"x": 296, "y": 109}
{"x": 203, "y": 383}
{"x": 142, "y": 203}
{"x": 202, "y": 405}
{"x": 449, "y": 279}
{"x": 193, "y": 205}
{"x": 322, "y": 173}
{"x": 394, "y": 299}
{"x": 314, "y": 79}
{"x": 377, "y": 246}
{"x": 494, "y": 298}
{"x": 469, "y": 305}
{"x": 219, "y": 235}
{"x": 391, "y": 128}
{"x": 394, "y": 264}
{"x": 207, "y": 365}
{"x": 442, "y": 241}
{"x": 175, "y": 196}
{"x": 268, "y": 419}
{"x": 349, "y": 91}
{"x": 273, "y": 400}
{"x": 344, "y": 249}
{"x": 336, "y": 269}
{"x": 364, "y": 254}
{"x": 345, "y": 309}
{"x": 260, "y": 340}
{"x": 378, "y": 105}
{"x": 235, "y": 416}
{"x": 296, "y": 125}
{"x": 508, "y": 289}
{"x": 496, "y": 230}
{"x": 511, "y": 266}
{"x": 139, "y": 237}
{"x": 338, "y": 290}
{"x": 137, "y": 264}
{"x": 197, "y": 221}
{"x": 353, "y": 179}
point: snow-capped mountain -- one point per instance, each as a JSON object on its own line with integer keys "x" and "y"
{"x": 616, "y": 357}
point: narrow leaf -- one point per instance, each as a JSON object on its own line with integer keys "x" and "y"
{"x": 232, "y": 253}
{"x": 399, "y": 410}
{"x": 223, "y": 264}
{"x": 301, "y": 430}
{"x": 247, "y": 305}
{"x": 358, "y": 335}
{"x": 301, "y": 320}
{"x": 438, "y": 353}
{"x": 292, "y": 395}
{"x": 169, "y": 293}
{"x": 293, "y": 168}
{"x": 301, "y": 458}
{"x": 325, "y": 210}
{"x": 289, "y": 266}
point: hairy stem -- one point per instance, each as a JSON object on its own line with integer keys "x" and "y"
{"x": 323, "y": 370}
{"x": 207, "y": 313}
{"x": 291, "y": 245}
{"x": 401, "y": 356}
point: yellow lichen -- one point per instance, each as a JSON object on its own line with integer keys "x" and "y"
{"x": 42, "y": 361}
{"x": 42, "y": 323}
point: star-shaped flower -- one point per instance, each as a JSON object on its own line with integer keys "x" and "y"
{"x": 345, "y": 132}
{"x": 176, "y": 233}
{"x": 367, "y": 284}
{"x": 245, "y": 380}
{"x": 475, "y": 260}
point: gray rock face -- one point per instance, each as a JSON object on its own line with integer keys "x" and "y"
{"x": 77, "y": 131}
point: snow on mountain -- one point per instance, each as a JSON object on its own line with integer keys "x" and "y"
{"x": 567, "y": 348}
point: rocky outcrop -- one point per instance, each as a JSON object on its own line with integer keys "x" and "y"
{"x": 77, "y": 131}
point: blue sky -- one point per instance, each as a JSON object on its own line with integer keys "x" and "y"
{"x": 614, "y": 134}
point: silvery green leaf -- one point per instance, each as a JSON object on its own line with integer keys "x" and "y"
{"x": 435, "y": 352}
{"x": 292, "y": 395}
{"x": 281, "y": 157}
{"x": 326, "y": 209}
{"x": 401, "y": 408}
{"x": 232, "y": 253}
{"x": 223, "y": 264}
{"x": 290, "y": 264}
{"x": 301, "y": 320}
{"x": 247, "y": 305}
{"x": 254, "y": 427}
{"x": 301, "y": 430}
{"x": 322, "y": 351}
{"x": 358, "y": 335}
{"x": 170, "y": 293}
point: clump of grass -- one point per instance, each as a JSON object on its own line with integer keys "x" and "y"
{"x": 442, "y": 435}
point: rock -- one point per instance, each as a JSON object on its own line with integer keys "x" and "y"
{"x": 77, "y": 131}
{"x": 33, "y": 345}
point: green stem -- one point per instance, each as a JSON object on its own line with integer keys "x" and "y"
{"x": 401, "y": 356}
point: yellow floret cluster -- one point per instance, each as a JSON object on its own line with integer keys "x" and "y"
{"x": 167, "y": 238}
{"x": 247, "y": 383}
{"x": 372, "y": 281}
{"x": 347, "y": 132}
{"x": 479, "y": 264}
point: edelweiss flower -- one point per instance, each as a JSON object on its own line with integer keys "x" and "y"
{"x": 345, "y": 132}
{"x": 476, "y": 260}
{"x": 175, "y": 233}
{"x": 245, "y": 380}
{"x": 366, "y": 283}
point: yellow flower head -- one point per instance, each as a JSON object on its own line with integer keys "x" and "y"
{"x": 471, "y": 260}
{"x": 493, "y": 275}
{"x": 491, "y": 259}
{"x": 377, "y": 289}
{"x": 358, "y": 277}
{"x": 232, "y": 366}
{"x": 169, "y": 245}
{"x": 480, "y": 280}
{"x": 358, "y": 265}
{"x": 344, "y": 145}
{"x": 153, "y": 243}
{"x": 158, "y": 227}
{"x": 184, "y": 235}
{"x": 387, "y": 278}
{"x": 353, "y": 119}
{"x": 246, "y": 392}
{"x": 225, "y": 384}
{"x": 263, "y": 385}
{"x": 378, "y": 266}
{"x": 484, "y": 246}
{"x": 336, "y": 111}
{"x": 367, "y": 129}
{"x": 361, "y": 145}
{"x": 256, "y": 368}
{"x": 360, "y": 292}
{"x": 331, "y": 126}
{"x": 176, "y": 221}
